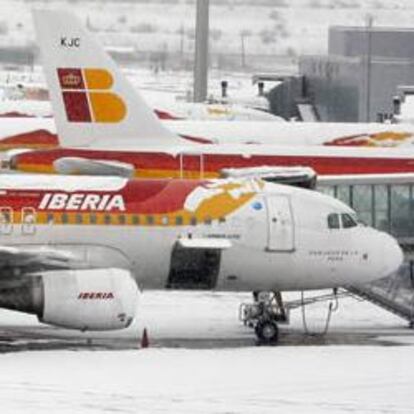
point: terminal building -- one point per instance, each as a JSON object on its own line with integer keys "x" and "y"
{"x": 365, "y": 68}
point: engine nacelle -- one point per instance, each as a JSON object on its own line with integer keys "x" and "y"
{"x": 100, "y": 299}
{"x": 97, "y": 299}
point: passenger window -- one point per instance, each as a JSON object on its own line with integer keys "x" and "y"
{"x": 135, "y": 220}
{"x": 348, "y": 221}
{"x": 28, "y": 220}
{"x": 121, "y": 219}
{"x": 333, "y": 221}
{"x": 165, "y": 220}
{"x": 193, "y": 221}
{"x": 179, "y": 220}
{"x": 222, "y": 219}
{"x": 92, "y": 219}
{"x": 107, "y": 219}
{"x": 150, "y": 220}
{"x": 78, "y": 219}
{"x": 208, "y": 221}
{"x": 65, "y": 218}
{"x": 49, "y": 218}
{"x": 6, "y": 220}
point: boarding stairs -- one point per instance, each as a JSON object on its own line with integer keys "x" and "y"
{"x": 394, "y": 294}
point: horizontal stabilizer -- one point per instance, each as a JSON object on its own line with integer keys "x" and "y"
{"x": 84, "y": 166}
{"x": 204, "y": 243}
{"x": 300, "y": 176}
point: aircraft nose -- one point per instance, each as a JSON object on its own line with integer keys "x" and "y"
{"x": 392, "y": 255}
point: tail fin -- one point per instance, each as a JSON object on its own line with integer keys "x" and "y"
{"x": 93, "y": 103}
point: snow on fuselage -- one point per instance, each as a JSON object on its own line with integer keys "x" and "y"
{"x": 150, "y": 161}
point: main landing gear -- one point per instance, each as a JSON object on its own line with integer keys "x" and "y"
{"x": 264, "y": 315}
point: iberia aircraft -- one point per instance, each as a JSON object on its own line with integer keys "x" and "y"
{"x": 105, "y": 127}
{"x": 73, "y": 252}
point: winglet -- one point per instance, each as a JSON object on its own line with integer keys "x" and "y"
{"x": 93, "y": 103}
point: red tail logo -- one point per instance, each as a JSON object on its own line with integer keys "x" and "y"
{"x": 87, "y": 97}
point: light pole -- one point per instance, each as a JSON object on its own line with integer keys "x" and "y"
{"x": 368, "y": 29}
{"x": 201, "y": 51}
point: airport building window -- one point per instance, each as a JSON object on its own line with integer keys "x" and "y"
{"x": 400, "y": 215}
{"x": 343, "y": 193}
{"x": 362, "y": 201}
{"x": 327, "y": 190}
{"x": 333, "y": 221}
{"x": 381, "y": 219}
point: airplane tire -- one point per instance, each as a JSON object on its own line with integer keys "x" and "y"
{"x": 267, "y": 332}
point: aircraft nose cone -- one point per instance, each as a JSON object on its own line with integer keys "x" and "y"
{"x": 393, "y": 255}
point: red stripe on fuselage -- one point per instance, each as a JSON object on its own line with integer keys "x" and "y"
{"x": 215, "y": 162}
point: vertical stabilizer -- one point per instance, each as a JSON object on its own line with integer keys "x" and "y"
{"x": 93, "y": 103}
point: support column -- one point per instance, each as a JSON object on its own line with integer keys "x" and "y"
{"x": 201, "y": 51}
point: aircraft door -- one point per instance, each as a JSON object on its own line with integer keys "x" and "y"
{"x": 191, "y": 166}
{"x": 193, "y": 268}
{"x": 28, "y": 220}
{"x": 281, "y": 235}
{"x": 6, "y": 220}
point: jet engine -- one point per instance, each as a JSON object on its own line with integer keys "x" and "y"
{"x": 96, "y": 299}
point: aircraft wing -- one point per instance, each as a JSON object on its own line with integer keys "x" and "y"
{"x": 24, "y": 259}
{"x": 301, "y": 176}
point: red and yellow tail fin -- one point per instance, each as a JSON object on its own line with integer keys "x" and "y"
{"x": 93, "y": 102}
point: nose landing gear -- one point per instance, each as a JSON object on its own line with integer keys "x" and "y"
{"x": 267, "y": 332}
{"x": 264, "y": 315}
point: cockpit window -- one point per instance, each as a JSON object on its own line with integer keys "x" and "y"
{"x": 348, "y": 221}
{"x": 333, "y": 221}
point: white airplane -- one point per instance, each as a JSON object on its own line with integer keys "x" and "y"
{"x": 71, "y": 249}
{"x": 103, "y": 124}
{"x": 24, "y": 106}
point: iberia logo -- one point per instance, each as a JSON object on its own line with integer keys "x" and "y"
{"x": 87, "y": 97}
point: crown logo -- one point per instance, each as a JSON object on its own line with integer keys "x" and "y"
{"x": 71, "y": 80}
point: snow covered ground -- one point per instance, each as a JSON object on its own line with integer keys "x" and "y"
{"x": 202, "y": 360}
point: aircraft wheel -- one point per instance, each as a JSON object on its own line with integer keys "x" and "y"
{"x": 267, "y": 332}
